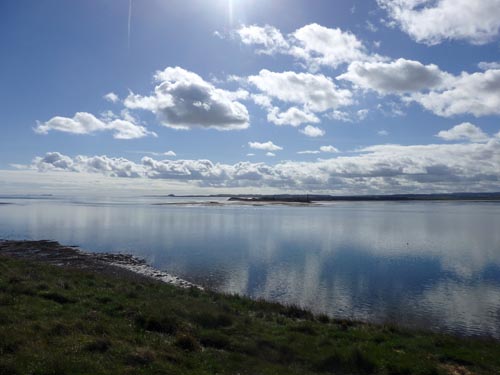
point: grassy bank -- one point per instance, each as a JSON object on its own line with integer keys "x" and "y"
{"x": 63, "y": 321}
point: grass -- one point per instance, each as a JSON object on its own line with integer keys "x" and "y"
{"x": 61, "y": 321}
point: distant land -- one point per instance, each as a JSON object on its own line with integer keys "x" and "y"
{"x": 359, "y": 198}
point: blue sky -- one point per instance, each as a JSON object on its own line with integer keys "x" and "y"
{"x": 338, "y": 97}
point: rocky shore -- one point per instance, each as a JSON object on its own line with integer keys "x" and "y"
{"x": 54, "y": 253}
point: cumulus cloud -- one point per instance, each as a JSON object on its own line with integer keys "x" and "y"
{"x": 318, "y": 45}
{"x": 169, "y": 153}
{"x": 114, "y": 167}
{"x": 380, "y": 168}
{"x": 362, "y": 114}
{"x": 400, "y": 76}
{"x": 345, "y": 116}
{"x": 326, "y": 149}
{"x": 313, "y": 44}
{"x": 183, "y": 100}
{"x": 262, "y": 100}
{"x": 315, "y": 92}
{"x": 340, "y": 116}
{"x": 111, "y": 97}
{"x": 485, "y": 65}
{"x": 54, "y": 160}
{"x": 268, "y": 38}
{"x": 271, "y": 154}
{"x": 308, "y": 152}
{"x": 437, "y": 91}
{"x": 183, "y": 169}
{"x": 268, "y": 146}
{"x": 308, "y": 93}
{"x": 292, "y": 116}
{"x": 464, "y": 132}
{"x": 329, "y": 149}
{"x": 477, "y": 94}
{"x": 434, "y": 21}
{"x": 87, "y": 123}
{"x": 391, "y": 108}
{"x": 312, "y": 131}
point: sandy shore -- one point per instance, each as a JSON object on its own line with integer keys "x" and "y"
{"x": 72, "y": 257}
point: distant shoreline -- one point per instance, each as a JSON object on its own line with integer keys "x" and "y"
{"x": 310, "y": 198}
{"x": 243, "y": 202}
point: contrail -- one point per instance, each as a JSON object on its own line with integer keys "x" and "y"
{"x": 230, "y": 12}
{"x": 129, "y": 20}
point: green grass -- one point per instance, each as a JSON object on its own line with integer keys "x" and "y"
{"x": 60, "y": 321}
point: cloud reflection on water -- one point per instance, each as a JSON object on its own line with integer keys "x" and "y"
{"x": 413, "y": 263}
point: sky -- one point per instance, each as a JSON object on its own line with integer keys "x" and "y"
{"x": 249, "y": 96}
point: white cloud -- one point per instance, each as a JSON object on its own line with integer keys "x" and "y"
{"x": 477, "y": 94}
{"x": 124, "y": 129}
{"x": 292, "y": 116}
{"x": 115, "y": 167}
{"x": 383, "y": 132}
{"x": 318, "y": 45}
{"x": 111, "y": 97}
{"x": 262, "y": 100}
{"x": 203, "y": 170}
{"x": 312, "y": 131}
{"x": 400, "y": 76}
{"x": 267, "y": 37}
{"x": 329, "y": 149}
{"x": 308, "y": 152}
{"x": 169, "y": 153}
{"x": 272, "y": 154}
{"x": 315, "y": 92}
{"x": 218, "y": 34}
{"x": 484, "y": 65}
{"x": 437, "y": 91}
{"x": 87, "y": 123}
{"x": 371, "y": 27}
{"x": 81, "y": 123}
{"x": 313, "y": 44}
{"x": 434, "y": 21}
{"x": 375, "y": 169}
{"x": 239, "y": 94}
{"x": 362, "y": 114}
{"x": 268, "y": 146}
{"x": 391, "y": 108}
{"x": 340, "y": 116}
{"x": 465, "y": 131}
{"x": 309, "y": 93}
{"x": 183, "y": 100}
{"x": 344, "y": 116}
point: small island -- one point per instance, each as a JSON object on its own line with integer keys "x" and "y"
{"x": 309, "y": 198}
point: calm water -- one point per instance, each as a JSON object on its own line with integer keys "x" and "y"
{"x": 432, "y": 265}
